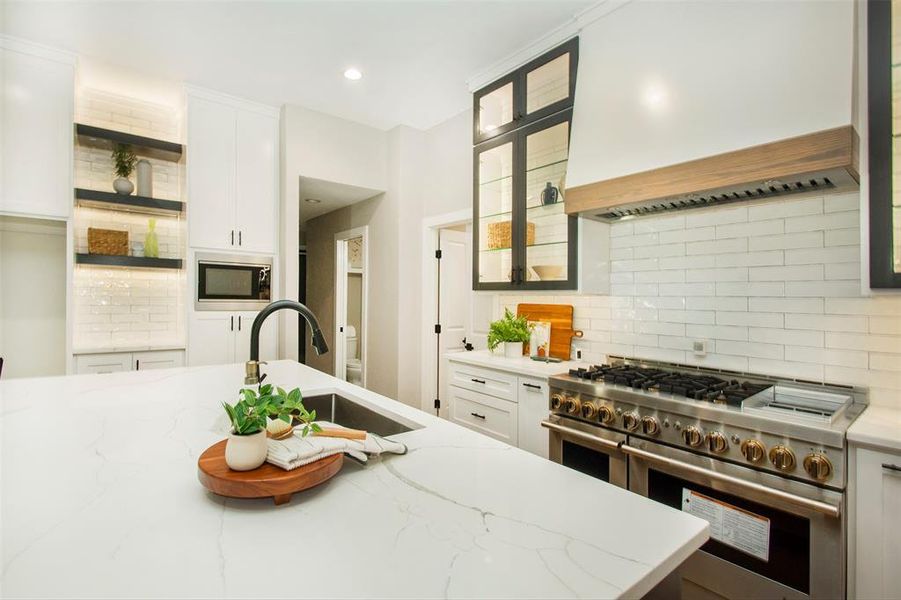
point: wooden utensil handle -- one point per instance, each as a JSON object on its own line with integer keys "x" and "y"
{"x": 349, "y": 434}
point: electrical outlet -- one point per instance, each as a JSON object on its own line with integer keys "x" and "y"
{"x": 699, "y": 347}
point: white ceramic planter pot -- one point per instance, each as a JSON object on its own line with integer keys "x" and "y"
{"x": 513, "y": 349}
{"x": 246, "y": 452}
{"x": 123, "y": 186}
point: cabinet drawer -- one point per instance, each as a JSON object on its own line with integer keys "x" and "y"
{"x": 103, "y": 363}
{"x": 485, "y": 414}
{"x": 159, "y": 359}
{"x": 495, "y": 383}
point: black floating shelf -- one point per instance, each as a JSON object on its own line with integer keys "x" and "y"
{"x": 128, "y": 261}
{"x": 105, "y": 138}
{"x": 115, "y": 201}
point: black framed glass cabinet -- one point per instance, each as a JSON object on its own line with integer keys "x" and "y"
{"x": 884, "y": 99}
{"x": 522, "y": 236}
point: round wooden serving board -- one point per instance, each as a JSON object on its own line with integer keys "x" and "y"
{"x": 267, "y": 481}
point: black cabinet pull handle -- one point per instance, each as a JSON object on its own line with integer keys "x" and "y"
{"x": 532, "y": 385}
{"x": 239, "y": 322}
{"x": 137, "y": 364}
{"x": 891, "y": 467}
{"x": 477, "y": 415}
{"x": 232, "y": 326}
{"x": 233, "y": 237}
{"x": 478, "y": 380}
{"x": 239, "y": 237}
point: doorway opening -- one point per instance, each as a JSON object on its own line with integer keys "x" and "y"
{"x": 351, "y": 296}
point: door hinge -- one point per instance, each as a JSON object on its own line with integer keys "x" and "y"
{"x": 438, "y": 328}
{"x": 438, "y": 254}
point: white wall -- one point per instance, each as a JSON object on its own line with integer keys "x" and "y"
{"x": 319, "y": 146}
{"x": 665, "y": 82}
{"x": 32, "y": 297}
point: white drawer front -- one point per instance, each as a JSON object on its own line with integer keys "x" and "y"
{"x": 159, "y": 359}
{"x": 103, "y": 363}
{"x": 532, "y": 407}
{"x": 485, "y": 414}
{"x": 495, "y": 383}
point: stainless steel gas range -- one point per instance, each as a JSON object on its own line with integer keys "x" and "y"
{"x": 763, "y": 459}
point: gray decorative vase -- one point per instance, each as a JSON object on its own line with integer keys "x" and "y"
{"x": 123, "y": 186}
{"x": 145, "y": 178}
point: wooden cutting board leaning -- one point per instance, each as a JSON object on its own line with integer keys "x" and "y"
{"x": 560, "y": 316}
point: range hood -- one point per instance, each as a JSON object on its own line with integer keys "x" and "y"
{"x": 825, "y": 161}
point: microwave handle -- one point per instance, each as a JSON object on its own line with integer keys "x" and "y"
{"x": 823, "y": 508}
{"x": 580, "y": 435}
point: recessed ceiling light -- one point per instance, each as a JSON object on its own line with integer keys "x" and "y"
{"x": 313, "y": 200}
{"x": 353, "y": 74}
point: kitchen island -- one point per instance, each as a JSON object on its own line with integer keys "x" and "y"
{"x": 100, "y": 498}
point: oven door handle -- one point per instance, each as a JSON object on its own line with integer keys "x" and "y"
{"x": 823, "y": 508}
{"x": 581, "y": 435}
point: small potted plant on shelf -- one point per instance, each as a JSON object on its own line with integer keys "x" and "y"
{"x": 125, "y": 159}
{"x": 512, "y": 331}
{"x": 246, "y": 448}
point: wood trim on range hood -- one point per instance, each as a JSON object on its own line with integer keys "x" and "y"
{"x": 826, "y": 160}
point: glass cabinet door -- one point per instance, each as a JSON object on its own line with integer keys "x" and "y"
{"x": 494, "y": 214}
{"x": 495, "y": 109}
{"x": 550, "y": 82}
{"x": 547, "y": 226}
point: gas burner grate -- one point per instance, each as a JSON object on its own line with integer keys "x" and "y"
{"x": 696, "y": 386}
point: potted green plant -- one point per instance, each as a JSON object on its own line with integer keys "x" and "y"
{"x": 125, "y": 159}
{"x": 511, "y": 331}
{"x": 246, "y": 447}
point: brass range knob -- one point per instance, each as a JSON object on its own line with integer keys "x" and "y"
{"x": 692, "y": 436}
{"x": 818, "y": 466}
{"x": 589, "y": 410}
{"x": 650, "y": 426}
{"x": 556, "y": 401}
{"x": 717, "y": 442}
{"x": 782, "y": 458}
{"x": 572, "y": 405}
{"x": 631, "y": 420}
{"x": 753, "y": 450}
{"x": 606, "y": 414}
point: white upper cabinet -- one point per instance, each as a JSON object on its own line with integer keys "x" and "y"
{"x": 256, "y": 189}
{"x": 232, "y": 173}
{"x": 211, "y": 173}
{"x": 36, "y": 121}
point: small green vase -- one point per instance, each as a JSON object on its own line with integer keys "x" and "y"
{"x": 151, "y": 244}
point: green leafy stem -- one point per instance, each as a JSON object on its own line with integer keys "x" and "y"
{"x": 253, "y": 411}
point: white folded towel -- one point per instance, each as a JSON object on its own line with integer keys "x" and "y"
{"x": 296, "y": 451}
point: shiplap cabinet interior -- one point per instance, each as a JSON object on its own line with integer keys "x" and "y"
{"x": 114, "y": 362}
{"x": 877, "y": 517}
{"x": 38, "y": 103}
{"x": 219, "y": 337}
{"x": 232, "y": 174}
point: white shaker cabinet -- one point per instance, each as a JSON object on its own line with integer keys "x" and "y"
{"x": 36, "y": 121}
{"x": 232, "y": 173}
{"x": 216, "y": 338}
{"x": 877, "y": 518}
{"x": 114, "y": 362}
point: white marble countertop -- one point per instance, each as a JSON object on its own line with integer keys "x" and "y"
{"x": 521, "y": 365}
{"x": 100, "y": 498}
{"x": 878, "y": 426}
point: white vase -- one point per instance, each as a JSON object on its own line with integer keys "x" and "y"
{"x": 246, "y": 452}
{"x": 123, "y": 186}
{"x": 513, "y": 349}
{"x": 144, "y": 172}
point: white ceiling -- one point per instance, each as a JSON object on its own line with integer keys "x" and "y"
{"x": 415, "y": 55}
{"x": 331, "y": 196}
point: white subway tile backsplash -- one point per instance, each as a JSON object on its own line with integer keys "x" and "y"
{"x": 781, "y": 303}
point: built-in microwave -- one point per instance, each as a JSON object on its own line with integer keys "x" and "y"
{"x": 232, "y": 282}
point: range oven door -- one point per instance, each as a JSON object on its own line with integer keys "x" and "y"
{"x": 587, "y": 448}
{"x": 770, "y": 537}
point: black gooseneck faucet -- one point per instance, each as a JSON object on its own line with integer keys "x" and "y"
{"x": 252, "y": 367}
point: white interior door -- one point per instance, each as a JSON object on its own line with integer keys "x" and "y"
{"x": 340, "y": 308}
{"x": 454, "y": 294}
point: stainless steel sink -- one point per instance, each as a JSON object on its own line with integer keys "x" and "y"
{"x": 340, "y": 410}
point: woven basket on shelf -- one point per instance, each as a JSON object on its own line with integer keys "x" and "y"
{"x": 107, "y": 241}
{"x": 500, "y": 234}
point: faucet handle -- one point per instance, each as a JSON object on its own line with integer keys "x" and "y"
{"x": 252, "y": 372}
